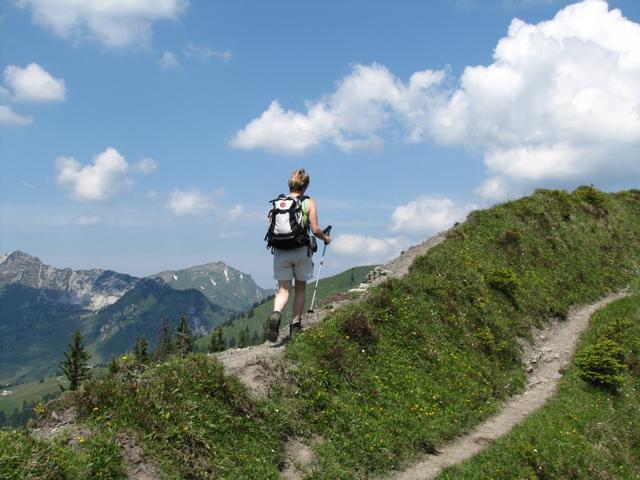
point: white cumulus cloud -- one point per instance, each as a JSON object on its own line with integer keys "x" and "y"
{"x": 427, "y": 215}
{"x": 99, "y": 181}
{"x": 169, "y": 61}
{"x": 33, "y": 84}
{"x": 190, "y": 203}
{"x": 146, "y": 166}
{"x": 351, "y": 118}
{"x": 114, "y": 23}
{"x": 205, "y": 52}
{"x": 559, "y": 104}
{"x": 10, "y": 118}
{"x": 367, "y": 249}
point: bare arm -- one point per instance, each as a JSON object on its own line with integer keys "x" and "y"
{"x": 313, "y": 222}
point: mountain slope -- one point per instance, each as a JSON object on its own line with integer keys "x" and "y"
{"x": 41, "y": 306}
{"x": 140, "y": 312}
{"x": 220, "y": 283}
{"x": 88, "y": 289}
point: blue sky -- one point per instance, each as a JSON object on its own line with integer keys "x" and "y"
{"x": 149, "y": 135}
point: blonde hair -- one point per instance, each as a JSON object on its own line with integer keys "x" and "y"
{"x": 298, "y": 181}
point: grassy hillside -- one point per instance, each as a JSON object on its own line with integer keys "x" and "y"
{"x": 28, "y": 392}
{"x": 583, "y": 432}
{"x": 256, "y": 319}
{"x": 376, "y": 384}
{"x": 33, "y": 332}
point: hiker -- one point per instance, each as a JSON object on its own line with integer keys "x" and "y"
{"x": 292, "y": 248}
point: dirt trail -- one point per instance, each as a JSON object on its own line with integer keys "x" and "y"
{"x": 545, "y": 359}
{"x": 257, "y": 366}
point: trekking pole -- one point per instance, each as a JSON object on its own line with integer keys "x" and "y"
{"x": 324, "y": 249}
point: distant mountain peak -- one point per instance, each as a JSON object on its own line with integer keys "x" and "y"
{"x": 22, "y": 256}
{"x": 219, "y": 282}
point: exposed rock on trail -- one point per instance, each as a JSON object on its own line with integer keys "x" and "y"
{"x": 545, "y": 359}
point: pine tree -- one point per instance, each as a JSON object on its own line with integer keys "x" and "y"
{"x": 243, "y": 337}
{"x": 75, "y": 365}
{"x": 113, "y": 366}
{"x": 141, "y": 350}
{"x": 216, "y": 343}
{"x": 166, "y": 345}
{"x": 184, "y": 337}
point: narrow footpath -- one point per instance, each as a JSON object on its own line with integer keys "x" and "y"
{"x": 545, "y": 359}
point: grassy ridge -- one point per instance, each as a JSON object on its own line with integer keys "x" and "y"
{"x": 422, "y": 360}
{"x": 583, "y": 432}
{"x": 434, "y": 353}
{"x": 25, "y": 457}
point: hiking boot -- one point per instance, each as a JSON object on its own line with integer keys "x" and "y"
{"x": 294, "y": 329}
{"x": 274, "y": 326}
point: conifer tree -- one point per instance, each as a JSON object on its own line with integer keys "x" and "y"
{"x": 216, "y": 343}
{"x": 166, "y": 344}
{"x": 141, "y": 350}
{"x": 113, "y": 366}
{"x": 243, "y": 337}
{"x": 75, "y": 364}
{"x": 184, "y": 337}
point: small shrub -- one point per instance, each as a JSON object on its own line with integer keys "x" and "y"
{"x": 486, "y": 339}
{"x": 633, "y": 360}
{"x": 358, "y": 327}
{"x": 602, "y": 364}
{"x": 593, "y": 197}
{"x": 509, "y": 239}
{"x": 504, "y": 280}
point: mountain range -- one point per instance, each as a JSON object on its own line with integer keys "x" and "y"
{"x": 41, "y": 306}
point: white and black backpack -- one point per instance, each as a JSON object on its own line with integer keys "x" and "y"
{"x": 286, "y": 227}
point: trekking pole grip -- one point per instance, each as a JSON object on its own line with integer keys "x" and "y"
{"x": 327, "y": 230}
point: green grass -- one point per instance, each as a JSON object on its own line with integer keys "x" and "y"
{"x": 327, "y": 286}
{"x": 25, "y": 457}
{"x": 28, "y": 392}
{"x": 431, "y": 355}
{"x": 196, "y": 421}
{"x": 584, "y": 431}
{"x": 422, "y": 360}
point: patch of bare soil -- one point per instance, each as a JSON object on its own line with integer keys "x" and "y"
{"x": 55, "y": 423}
{"x": 298, "y": 458}
{"x": 545, "y": 359}
{"x": 138, "y": 465}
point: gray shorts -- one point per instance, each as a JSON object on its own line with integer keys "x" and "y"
{"x": 290, "y": 264}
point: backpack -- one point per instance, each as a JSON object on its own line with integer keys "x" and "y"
{"x": 286, "y": 230}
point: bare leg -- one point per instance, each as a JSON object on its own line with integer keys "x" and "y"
{"x": 298, "y": 303}
{"x": 282, "y": 295}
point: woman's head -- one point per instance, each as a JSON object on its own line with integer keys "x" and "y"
{"x": 298, "y": 181}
